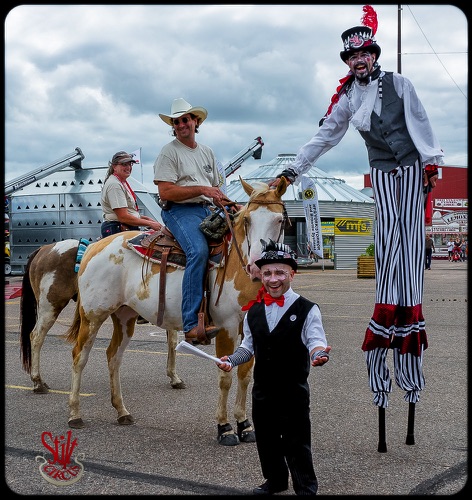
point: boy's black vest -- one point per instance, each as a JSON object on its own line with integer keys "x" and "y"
{"x": 282, "y": 360}
{"x": 388, "y": 142}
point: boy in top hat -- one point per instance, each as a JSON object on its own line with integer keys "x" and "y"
{"x": 403, "y": 156}
{"x": 284, "y": 332}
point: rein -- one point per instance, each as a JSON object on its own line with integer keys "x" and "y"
{"x": 236, "y": 244}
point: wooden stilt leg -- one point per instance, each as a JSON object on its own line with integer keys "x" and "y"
{"x": 382, "y": 448}
{"x": 410, "y": 436}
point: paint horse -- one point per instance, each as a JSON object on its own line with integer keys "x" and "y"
{"x": 115, "y": 280}
{"x": 49, "y": 284}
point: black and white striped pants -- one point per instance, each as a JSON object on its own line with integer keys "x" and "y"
{"x": 397, "y": 322}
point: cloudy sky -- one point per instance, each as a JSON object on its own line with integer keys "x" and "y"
{"x": 96, "y": 77}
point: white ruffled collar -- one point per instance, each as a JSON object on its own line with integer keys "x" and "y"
{"x": 362, "y": 100}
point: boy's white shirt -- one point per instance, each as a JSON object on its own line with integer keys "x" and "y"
{"x": 313, "y": 334}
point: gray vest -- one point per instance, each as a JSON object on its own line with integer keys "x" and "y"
{"x": 388, "y": 142}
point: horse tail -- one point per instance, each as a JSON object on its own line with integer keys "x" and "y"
{"x": 28, "y": 315}
{"x": 72, "y": 332}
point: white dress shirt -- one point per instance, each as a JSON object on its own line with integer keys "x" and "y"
{"x": 313, "y": 334}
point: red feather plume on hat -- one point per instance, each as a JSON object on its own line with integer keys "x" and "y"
{"x": 369, "y": 18}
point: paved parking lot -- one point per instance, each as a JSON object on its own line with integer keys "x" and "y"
{"x": 172, "y": 448}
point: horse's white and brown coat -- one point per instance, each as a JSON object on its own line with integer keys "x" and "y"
{"x": 49, "y": 284}
{"x": 111, "y": 282}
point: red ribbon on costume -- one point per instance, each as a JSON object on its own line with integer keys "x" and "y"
{"x": 260, "y": 296}
{"x": 428, "y": 209}
{"x": 340, "y": 89}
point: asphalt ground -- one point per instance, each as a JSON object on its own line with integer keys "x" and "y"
{"x": 172, "y": 448}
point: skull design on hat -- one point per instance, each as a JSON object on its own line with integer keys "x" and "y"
{"x": 273, "y": 253}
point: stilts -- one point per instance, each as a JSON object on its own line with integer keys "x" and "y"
{"x": 410, "y": 436}
{"x": 382, "y": 447}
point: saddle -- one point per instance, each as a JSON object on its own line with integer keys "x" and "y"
{"x": 162, "y": 248}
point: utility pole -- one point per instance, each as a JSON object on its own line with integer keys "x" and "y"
{"x": 399, "y": 41}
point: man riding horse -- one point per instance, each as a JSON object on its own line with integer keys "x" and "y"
{"x": 187, "y": 179}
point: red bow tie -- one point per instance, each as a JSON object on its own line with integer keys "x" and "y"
{"x": 268, "y": 299}
{"x": 263, "y": 295}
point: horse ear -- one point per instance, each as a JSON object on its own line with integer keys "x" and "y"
{"x": 281, "y": 187}
{"x": 247, "y": 187}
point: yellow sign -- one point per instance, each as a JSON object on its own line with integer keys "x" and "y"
{"x": 351, "y": 226}
{"x": 327, "y": 228}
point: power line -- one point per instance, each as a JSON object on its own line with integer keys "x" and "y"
{"x": 435, "y": 53}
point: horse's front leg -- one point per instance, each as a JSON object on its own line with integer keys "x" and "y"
{"x": 246, "y": 432}
{"x": 124, "y": 321}
{"x": 226, "y": 434}
{"x": 175, "y": 381}
{"x": 224, "y": 345}
{"x": 80, "y": 354}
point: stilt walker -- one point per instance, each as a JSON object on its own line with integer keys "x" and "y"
{"x": 403, "y": 156}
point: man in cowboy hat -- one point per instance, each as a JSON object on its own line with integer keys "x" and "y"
{"x": 285, "y": 333}
{"x": 403, "y": 155}
{"x": 187, "y": 179}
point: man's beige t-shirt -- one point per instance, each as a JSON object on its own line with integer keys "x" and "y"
{"x": 184, "y": 166}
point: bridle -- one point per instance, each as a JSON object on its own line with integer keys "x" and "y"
{"x": 285, "y": 221}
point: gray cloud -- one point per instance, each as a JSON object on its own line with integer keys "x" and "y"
{"x": 96, "y": 76}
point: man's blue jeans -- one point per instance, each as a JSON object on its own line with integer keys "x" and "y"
{"x": 183, "y": 220}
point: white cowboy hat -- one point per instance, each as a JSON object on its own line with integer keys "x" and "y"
{"x": 182, "y": 107}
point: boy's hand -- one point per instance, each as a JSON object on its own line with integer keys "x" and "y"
{"x": 321, "y": 358}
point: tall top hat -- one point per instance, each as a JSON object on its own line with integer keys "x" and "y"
{"x": 361, "y": 37}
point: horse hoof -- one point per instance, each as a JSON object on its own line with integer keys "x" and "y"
{"x": 41, "y": 389}
{"x": 76, "y": 423}
{"x": 248, "y": 437}
{"x": 126, "y": 420}
{"x": 178, "y": 385}
{"x": 246, "y": 432}
{"x": 228, "y": 440}
{"x": 226, "y": 435}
